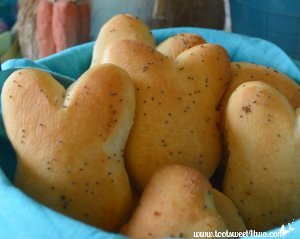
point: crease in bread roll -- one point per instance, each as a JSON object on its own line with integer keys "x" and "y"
{"x": 229, "y": 212}
{"x": 262, "y": 176}
{"x": 177, "y": 201}
{"x": 70, "y": 143}
{"x": 121, "y": 26}
{"x": 175, "y": 118}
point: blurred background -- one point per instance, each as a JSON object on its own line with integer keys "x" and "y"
{"x": 37, "y": 28}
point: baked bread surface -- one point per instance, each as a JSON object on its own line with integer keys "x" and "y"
{"x": 177, "y": 202}
{"x": 175, "y": 119}
{"x": 262, "y": 176}
{"x": 70, "y": 143}
{"x": 121, "y": 26}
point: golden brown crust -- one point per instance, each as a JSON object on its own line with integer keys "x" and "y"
{"x": 122, "y": 26}
{"x": 242, "y": 72}
{"x": 70, "y": 143}
{"x": 262, "y": 176}
{"x": 177, "y": 202}
{"x": 174, "y": 45}
{"x": 175, "y": 119}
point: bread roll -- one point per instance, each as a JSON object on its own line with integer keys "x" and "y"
{"x": 178, "y": 43}
{"x": 175, "y": 119}
{"x": 242, "y": 72}
{"x": 262, "y": 176}
{"x": 177, "y": 202}
{"x": 122, "y": 26}
{"x": 70, "y": 143}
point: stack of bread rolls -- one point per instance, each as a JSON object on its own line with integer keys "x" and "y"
{"x": 132, "y": 145}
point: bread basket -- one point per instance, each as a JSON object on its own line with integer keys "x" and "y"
{"x": 23, "y": 217}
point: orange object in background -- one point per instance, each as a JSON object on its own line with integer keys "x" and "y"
{"x": 44, "y": 28}
{"x": 61, "y": 24}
